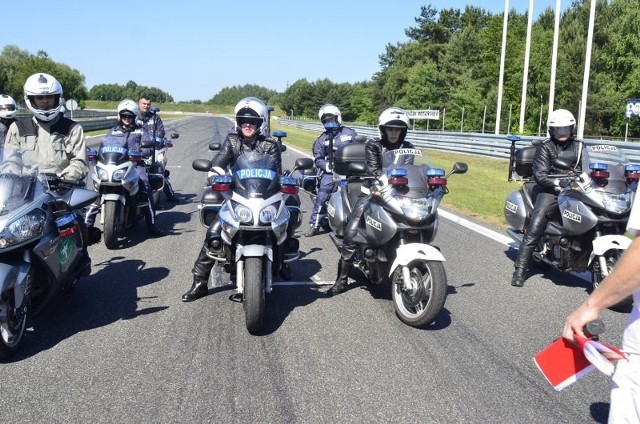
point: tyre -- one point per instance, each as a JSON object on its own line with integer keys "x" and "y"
{"x": 612, "y": 257}
{"x": 111, "y": 224}
{"x": 253, "y": 300}
{"x": 419, "y": 301}
{"x": 12, "y": 326}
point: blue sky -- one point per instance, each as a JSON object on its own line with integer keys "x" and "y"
{"x": 194, "y": 48}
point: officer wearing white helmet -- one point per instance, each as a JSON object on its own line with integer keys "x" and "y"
{"x": 127, "y": 133}
{"x": 560, "y": 144}
{"x": 334, "y": 136}
{"x": 393, "y": 124}
{"x": 249, "y": 134}
{"x": 56, "y": 144}
{"x": 7, "y": 117}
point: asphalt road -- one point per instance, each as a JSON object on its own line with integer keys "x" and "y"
{"x": 122, "y": 347}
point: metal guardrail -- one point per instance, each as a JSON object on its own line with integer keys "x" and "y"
{"x": 477, "y": 144}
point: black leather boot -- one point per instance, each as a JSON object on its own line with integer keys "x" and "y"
{"x": 198, "y": 289}
{"x": 340, "y": 286}
{"x": 154, "y": 231}
{"x": 518, "y": 277}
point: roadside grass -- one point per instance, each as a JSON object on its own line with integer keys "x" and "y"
{"x": 480, "y": 193}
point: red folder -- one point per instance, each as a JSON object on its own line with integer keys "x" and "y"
{"x": 563, "y": 363}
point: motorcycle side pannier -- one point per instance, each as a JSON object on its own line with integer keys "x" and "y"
{"x": 524, "y": 161}
{"x": 346, "y": 154}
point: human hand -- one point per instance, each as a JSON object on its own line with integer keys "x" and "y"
{"x": 574, "y": 324}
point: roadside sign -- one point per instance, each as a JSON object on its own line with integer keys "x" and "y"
{"x": 424, "y": 114}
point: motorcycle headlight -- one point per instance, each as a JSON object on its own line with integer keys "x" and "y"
{"x": 268, "y": 214}
{"x": 102, "y": 174}
{"x": 416, "y": 209}
{"x": 617, "y": 203}
{"x": 243, "y": 213}
{"x": 160, "y": 157}
{"x": 24, "y": 228}
{"x": 119, "y": 174}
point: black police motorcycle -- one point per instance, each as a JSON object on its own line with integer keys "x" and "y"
{"x": 400, "y": 220}
{"x": 257, "y": 210}
{"x": 593, "y": 210}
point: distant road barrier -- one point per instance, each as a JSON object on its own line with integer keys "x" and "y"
{"x": 478, "y": 144}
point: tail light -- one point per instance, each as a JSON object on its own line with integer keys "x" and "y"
{"x": 221, "y": 183}
{"x": 288, "y": 185}
{"x": 599, "y": 173}
{"x": 168, "y": 144}
{"x": 397, "y": 177}
{"x": 435, "y": 177}
{"x": 632, "y": 173}
{"x": 135, "y": 156}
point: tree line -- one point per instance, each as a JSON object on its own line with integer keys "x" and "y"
{"x": 450, "y": 62}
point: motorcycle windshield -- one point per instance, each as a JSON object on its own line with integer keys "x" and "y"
{"x": 255, "y": 175}
{"x": 415, "y": 174}
{"x": 18, "y": 190}
{"x": 614, "y": 158}
{"x": 113, "y": 154}
{"x": 400, "y": 157}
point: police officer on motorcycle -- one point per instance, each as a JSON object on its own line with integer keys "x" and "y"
{"x": 248, "y": 135}
{"x": 7, "y": 117}
{"x": 153, "y": 127}
{"x": 393, "y": 124}
{"x": 127, "y": 133}
{"x": 51, "y": 142}
{"x": 560, "y": 145}
{"x": 334, "y": 136}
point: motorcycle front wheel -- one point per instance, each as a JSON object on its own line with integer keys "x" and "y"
{"x": 110, "y": 224}
{"x": 612, "y": 258}
{"x": 12, "y": 327}
{"x": 418, "y": 302}
{"x": 253, "y": 300}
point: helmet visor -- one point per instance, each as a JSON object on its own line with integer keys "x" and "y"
{"x": 7, "y": 107}
{"x": 328, "y": 117}
{"x": 248, "y": 120}
{"x": 562, "y": 131}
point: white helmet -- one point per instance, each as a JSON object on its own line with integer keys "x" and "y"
{"x": 43, "y": 85}
{"x": 393, "y": 117}
{"x": 330, "y": 110}
{"x": 252, "y": 108}
{"x": 128, "y": 107}
{"x": 561, "y": 123}
{"x": 7, "y": 107}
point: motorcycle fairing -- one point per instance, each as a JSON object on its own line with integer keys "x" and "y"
{"x": 576, "y": 217}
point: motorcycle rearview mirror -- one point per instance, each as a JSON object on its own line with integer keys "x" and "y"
{"x": 174, "y": 135}
{"x": 215, "y": 146}
{"x": 303, "y": 163}
{"x": 283, "y": 148}
{"x": 202, "y": 165}
{"x": 459, "y": 168}
{"x": 154, "y": 109}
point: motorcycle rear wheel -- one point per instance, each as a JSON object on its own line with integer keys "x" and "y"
{"x": 421, "y": 303}
{"x": 12, "y": 329}
{"x": 111, "y": 224}
{"x": 612, "y": 257}
{"x": 253, "y": 293}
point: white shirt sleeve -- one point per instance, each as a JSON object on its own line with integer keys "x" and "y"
{"x": 633, "y": 226}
